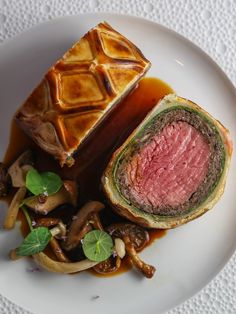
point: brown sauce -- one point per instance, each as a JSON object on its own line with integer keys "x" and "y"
{"x": 91, "y": 160}
{"x": 24, "y": 225}
{"x": 126, "y": 264}
{"x": 124, "y": 267}
{"x": 18, "y": 143}
{"x": 155, "y": 234}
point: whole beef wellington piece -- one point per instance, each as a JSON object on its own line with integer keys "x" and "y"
{"x": 78, "y": 91}
{"x": 172, "y": 168}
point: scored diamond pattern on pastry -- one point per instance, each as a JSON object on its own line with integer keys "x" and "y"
{"x": 120, "y": 77}
{"x": 114, "y": 48}
{"x": 80, "y": 52}
{"x": 81, "y": 88}
{"x": 77, "y": 88}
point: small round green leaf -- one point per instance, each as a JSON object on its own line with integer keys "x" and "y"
{"x": 51, "y": 182}
{"x": 45, "y": 183}
{"x": 35, "y": 242}
{"x": 97, "y": 245}
{"x": 34, "y": 182}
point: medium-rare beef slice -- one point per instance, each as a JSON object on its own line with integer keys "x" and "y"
{"x": 79, "y": 91}
{"x": 177, "y": 165}
{"x": 172, "y": 168}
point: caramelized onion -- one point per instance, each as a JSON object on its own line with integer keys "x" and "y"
{"x": 61, "y": 267}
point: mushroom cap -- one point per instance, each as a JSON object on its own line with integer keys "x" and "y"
{"x": 63, "y": 196}
{"x": 138, "y": 236}
{"x": 19, "y": 168}
{"x": 80, "y": 225}
{"x": 108, "y": 266}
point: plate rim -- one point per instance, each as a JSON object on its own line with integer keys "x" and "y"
{"x": 164, "y": 28}
{"x": 130, "y": 16}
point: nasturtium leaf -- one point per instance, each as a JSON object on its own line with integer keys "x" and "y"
{"x": 51, "y": 182}
{"x": 97, "y": 245}
{"x": 34, "y": 182}
{"x": 35, "y": 242}
{"x": 46, "y": 183}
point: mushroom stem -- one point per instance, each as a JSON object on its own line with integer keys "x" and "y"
{"x": 147, "y": 270}
{"x": 58, "y": 230}
{"x": 80, "y": 225}
{"x": 61, "y": 267}
{"x": 47, "y": 222}
{"x": 95, "y": 221}
{"x": 55, "y": 231}
{"x": 13, "y": 256}
{"x": 82, "y": 232}
{"x": 58, "y": 251}
{"x": 63, "y": 196}
{"x": 13, "y": 209}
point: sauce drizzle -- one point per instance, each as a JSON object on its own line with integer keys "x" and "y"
{"x": 91, "y": 160}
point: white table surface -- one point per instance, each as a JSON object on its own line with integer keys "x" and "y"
{"x": 211, "y": 24}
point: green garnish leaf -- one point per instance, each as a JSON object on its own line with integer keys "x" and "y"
{"x": 97, "y": 245}
{"x": 35, "y": 242}
{"x": 52, "y": 182}
{"x": 47, "y": 183}
{"x": 34, "y": 182}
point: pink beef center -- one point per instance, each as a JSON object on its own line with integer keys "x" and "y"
{"x": 169, "y": 169}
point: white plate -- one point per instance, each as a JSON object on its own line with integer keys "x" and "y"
{"x": 188, "y": 257}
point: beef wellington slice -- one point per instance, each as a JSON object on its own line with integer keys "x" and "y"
{"x": 172, "y": 168}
